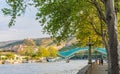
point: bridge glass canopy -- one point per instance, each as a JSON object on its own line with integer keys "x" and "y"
{"x": 71, "y": 52}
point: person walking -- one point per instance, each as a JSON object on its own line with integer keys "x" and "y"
{"x": 101, "y": 61}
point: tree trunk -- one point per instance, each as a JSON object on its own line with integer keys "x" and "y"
{"x": 111, "y": 22}
{"x": 108, "y": 51}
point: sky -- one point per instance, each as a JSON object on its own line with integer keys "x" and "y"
{"x": 25, "y": 27}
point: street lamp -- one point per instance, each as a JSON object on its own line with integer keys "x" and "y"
{"x": 89, "y": 55}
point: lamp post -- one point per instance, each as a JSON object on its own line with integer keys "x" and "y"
{"x": 89, "y": 55}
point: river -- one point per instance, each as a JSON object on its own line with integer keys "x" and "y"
{"x": 60, "y": 67}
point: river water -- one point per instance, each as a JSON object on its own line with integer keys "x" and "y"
{"x": 44, "y": 68}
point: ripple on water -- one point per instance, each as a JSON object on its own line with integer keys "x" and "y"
{"x": 43, "y": 68}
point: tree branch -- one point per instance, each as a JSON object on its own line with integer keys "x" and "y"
{"x": 116, "y": 6}
{"x": 102, "y": 1}
{"x": 101, "y": 14}
{"x": 93, "y": 26}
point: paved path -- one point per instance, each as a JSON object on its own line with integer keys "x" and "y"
{"x": 100, "y": 69}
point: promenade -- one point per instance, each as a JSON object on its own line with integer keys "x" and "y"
{"x": 94, "y": 69}
{"x": 100, "y": 69}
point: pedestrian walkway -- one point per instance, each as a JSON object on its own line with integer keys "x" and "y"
{"x": 100, "y": 69}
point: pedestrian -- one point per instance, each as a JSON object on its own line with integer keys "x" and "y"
{"x": 67, "y": 61}
{"x": 98, "y": 61}
{"x": 101, "y": 61}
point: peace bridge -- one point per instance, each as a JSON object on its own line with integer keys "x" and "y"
{"x": 91, "y": 68}
{"x": 71, "y": 52}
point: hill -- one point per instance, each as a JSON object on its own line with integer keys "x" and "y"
{"x": 15, "y": 44}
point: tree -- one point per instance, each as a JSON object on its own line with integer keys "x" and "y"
{"x": 10, "y": 55}
{"x": 42, "y": 52}
{"x": 111, "y": 22}
{"x": 26, "y": 51}
{"x": 69, "y": 17}
{"x": 52, "y": 51}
